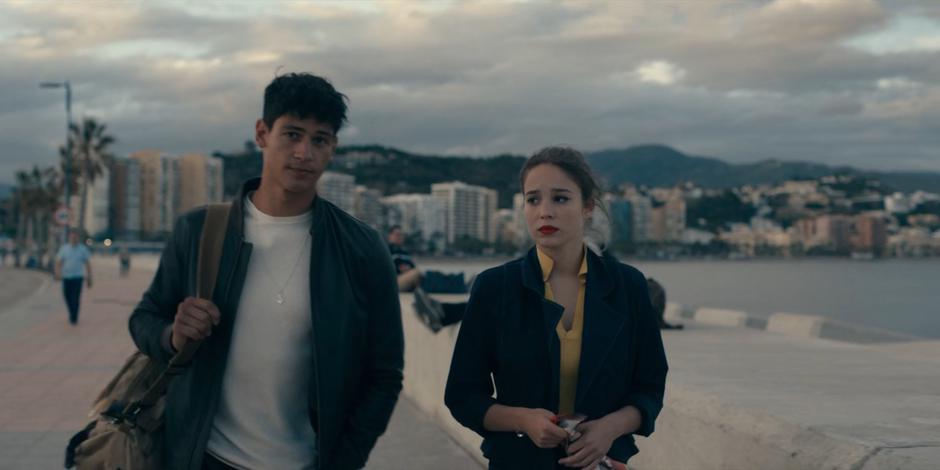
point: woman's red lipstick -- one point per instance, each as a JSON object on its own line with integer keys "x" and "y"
{"x": 548, "y": 229}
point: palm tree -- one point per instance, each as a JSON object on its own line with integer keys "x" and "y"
{"x": 90, "y": 145}
{"x": 37, "y": 196}
{"x": 23, "y": 196}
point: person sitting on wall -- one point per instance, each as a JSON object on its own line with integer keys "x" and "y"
{"x": 658, "y": 299}
{"x": 434, "y": 314}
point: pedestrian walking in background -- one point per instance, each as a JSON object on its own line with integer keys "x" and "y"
{"x": 124, "y": 259}
{"x": 658, "y": 301}
{"x": 73, "y": 267}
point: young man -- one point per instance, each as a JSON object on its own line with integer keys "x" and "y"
{"x": 302, "y": 354}
{"x": 73, "y": 267}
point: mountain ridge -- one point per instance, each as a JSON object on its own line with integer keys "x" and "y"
{"x": 395, "y": 171}
{"x": 661, "y": 165}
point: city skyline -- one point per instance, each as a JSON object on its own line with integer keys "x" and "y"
{"x": 829, "y": 81}
{"x": 137, "y": 198}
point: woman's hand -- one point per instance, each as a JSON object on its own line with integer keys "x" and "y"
{"x": 596, "y": 439}
{"x": 539, "y": 424}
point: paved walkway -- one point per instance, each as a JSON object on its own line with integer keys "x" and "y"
{"x": 50, "y": 372}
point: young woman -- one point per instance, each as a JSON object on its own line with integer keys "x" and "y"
{"x": 559, "y": 331}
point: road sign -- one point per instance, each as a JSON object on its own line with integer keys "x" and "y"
{"x": 62, "y": 216}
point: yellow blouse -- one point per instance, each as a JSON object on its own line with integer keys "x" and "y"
{"x": 570, "y": 339}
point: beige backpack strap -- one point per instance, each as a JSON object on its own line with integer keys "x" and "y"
{"x": 207, "y": 270}
{"x": 210, "y": 248}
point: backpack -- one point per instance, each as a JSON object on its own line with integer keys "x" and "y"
{"x": 128, "y": 431}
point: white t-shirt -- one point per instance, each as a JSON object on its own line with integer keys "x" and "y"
{"x": 73, "y": 260}
{"x": 263, "y": 420}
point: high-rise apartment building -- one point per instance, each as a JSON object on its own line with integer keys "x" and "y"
{"x": 97, "y": 203}
{"x": 159, "y": 192}
{"x": 831, "y": 232}
{"x": 200, "y": 181}
{"x": 869, "y": 234}
{"x": 621, "y": 219}
{"x": 125, "y": 199}
{"x": 642, "y": 215}
{"x": 368, "y": 207}
{"x": 469, "y": 210}
{"x": 523, "y": 239}
{"x": 338, "y": 188}
{"x": 417, "y": 214}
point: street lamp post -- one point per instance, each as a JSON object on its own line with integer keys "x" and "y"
{"x": 68, "y": 146}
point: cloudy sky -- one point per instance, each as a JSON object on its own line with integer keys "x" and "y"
{"x": 833, "y": 81}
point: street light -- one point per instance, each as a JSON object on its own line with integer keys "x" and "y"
{"x": 68, "y": 144}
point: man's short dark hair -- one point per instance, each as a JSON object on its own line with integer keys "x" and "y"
{"x": 393, "y": 228}
{"x": 306, "y": 96}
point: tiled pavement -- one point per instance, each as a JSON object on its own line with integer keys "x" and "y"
{"x": 50, "y": 372}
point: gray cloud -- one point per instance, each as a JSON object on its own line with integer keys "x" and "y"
{"x": 758, "y": 79}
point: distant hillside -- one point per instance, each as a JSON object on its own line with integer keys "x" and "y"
{"x": 394, "y": 171}
{"x": 659, "y": 165}
{"x": 5, "y": 190}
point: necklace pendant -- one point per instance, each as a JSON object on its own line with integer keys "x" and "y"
{"x": 279, "y": 299}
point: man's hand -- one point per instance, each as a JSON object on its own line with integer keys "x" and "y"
{"x": 88, "y": 281}
{"x": 596, "y": 438}
{"x": 193, "y": 322}
{"x": 540, "y": 426}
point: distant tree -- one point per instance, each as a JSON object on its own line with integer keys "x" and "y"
{"x": 401, "y": 172}
{"x": 787, "y": 216}
{"x": 927, "y": 207}
{"x": 469, "y": 245}
{"x": 778, "y": 200}
{"x": 857, "y": 185}
{"x": 719, "y": 210}
{"x": 36, "y": 197}
{"x": 507, "y": 247}
{"x": 239, "y": 166}
{"x": 90, "y": 154}
{"x": 715, "y": 247}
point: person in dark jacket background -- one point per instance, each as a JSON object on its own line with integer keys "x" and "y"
{"x": 301, "y": 359}
{"x": 560, "y": 331}
{"x": 434, "y": 314}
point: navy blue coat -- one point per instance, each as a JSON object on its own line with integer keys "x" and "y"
{"x": 509, "y": 331}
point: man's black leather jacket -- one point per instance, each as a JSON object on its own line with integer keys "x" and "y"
{"x": 358, "y": 345}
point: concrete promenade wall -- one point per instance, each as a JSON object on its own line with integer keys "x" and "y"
{"x": 427, "y": 362}
{"x": 767, "y": 393}
{"x": 740, "y": 397}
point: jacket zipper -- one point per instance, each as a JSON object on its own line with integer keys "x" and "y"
{"x": 316, "y": 378}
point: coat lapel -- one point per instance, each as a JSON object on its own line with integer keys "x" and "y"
{"x": 602, "y": 324}
{"x": 551, "y": 315}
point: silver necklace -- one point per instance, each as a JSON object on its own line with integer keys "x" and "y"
{"x": 279, "y": 298}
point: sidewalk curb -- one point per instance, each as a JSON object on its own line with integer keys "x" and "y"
{"x": 796, "y": 325}
{"x": 46, "y": 282}
{"x": 21, "y": 313}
